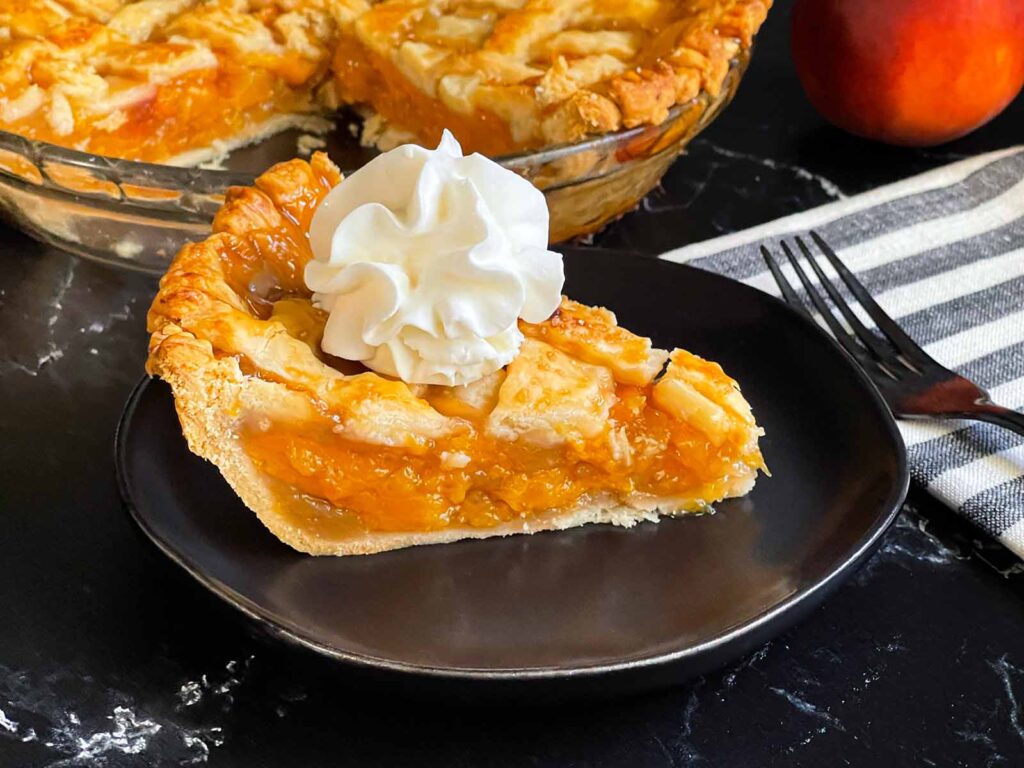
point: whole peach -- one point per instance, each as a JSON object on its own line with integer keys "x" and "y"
{"x": 913, "y": 72}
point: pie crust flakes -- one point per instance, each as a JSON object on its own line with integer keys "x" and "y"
{"x": 589, "y": 423}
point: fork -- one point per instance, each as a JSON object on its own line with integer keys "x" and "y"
{"x": 913, "y": 383}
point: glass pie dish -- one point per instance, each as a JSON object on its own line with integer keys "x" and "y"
{"x": 138, "y": 215}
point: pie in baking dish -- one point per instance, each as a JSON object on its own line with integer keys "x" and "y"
{"x": 176, "y": 80}
{"x": 587, "y": 422}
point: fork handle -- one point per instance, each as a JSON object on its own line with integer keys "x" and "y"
{"x": 997, "y": 414}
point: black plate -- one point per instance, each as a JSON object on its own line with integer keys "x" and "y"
{"x": 598, "y": 608}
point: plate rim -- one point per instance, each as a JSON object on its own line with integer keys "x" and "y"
{"x": 789, "y": 606}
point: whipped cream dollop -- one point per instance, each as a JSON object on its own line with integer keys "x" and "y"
{"x": 425, "y": 260}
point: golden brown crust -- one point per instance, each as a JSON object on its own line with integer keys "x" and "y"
{"x": 208, "y": 76}
{"x": 556, "y": 72}
{"x": 160, "y": 80}
{"x": 207, "y": 392}
{"x": 229, "y": 353}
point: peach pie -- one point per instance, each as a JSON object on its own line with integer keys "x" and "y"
{"x": 586, "y": 423}
{"x": 176, "y": 80}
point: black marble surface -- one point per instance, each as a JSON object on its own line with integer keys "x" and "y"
{"x": 111, "y": 656}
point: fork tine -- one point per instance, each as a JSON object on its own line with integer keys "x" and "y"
{"x": 896, "y": 336}
{"x": 788, "y": 293}
{"x": 848, "y": 342}
{"x": 867, "y": 338}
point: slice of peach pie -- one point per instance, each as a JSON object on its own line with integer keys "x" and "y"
{"x": 567, "y": 418}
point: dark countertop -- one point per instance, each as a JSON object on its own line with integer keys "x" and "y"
{"x": 111, "y": 656}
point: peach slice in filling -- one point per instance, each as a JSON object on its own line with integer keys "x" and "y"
{"x": 549, "y": 432}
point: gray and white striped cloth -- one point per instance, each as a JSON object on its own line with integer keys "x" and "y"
{"x": 943, "y": 253}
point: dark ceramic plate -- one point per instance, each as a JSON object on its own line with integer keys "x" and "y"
{"x": 596, "y": 608}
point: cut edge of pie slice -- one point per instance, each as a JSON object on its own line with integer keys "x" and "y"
{"x": 170, "y": 81}
{"x": 179, "y": 81}
{"x": 587, "y": 425}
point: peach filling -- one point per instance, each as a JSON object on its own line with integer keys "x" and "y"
{"x": 189, "y": 112}
{"x": 364, "y": 77}
{"x": 470, "y": 479}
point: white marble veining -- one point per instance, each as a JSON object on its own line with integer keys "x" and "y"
{"x": 7, "y": 724}
{"x": 828, "y": 186}
{"x": 908, "y": 541}
{"x": 57, "y": 302}
{"x": 102, "y": 325}
{"x": 683, "y": 743}
{"x": 191, "y": 692}
{"x": 985, "y": 741}
{"x": 1012, "y": 569}
{"x": 805, "y": 707}
{"x": 128, "y": 733}
{"x": 750, "y": 661}
{"x": 1008, "y": 673}
{"x": 48, "y": 329}
{"x": 99, "y": 723}
{"x": 927, "y": 548}
{"x": 214, "y": 686}
{"x": 49, "y": 351}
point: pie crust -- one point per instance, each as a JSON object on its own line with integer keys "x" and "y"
{"x": 587, "y": 424}
{"x": 178, "y": 80}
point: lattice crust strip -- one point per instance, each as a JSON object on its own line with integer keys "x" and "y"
{"x": 555, "y": 70}
{"x": 77, "y": 72}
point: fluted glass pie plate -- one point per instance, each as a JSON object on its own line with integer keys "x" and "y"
{"x": 138, "y": 215}
{"x": 595, "y": 609}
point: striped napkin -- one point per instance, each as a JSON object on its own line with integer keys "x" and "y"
{"x": 943, "y": 253}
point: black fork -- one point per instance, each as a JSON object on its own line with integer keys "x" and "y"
{"x": 911, "y": 381}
